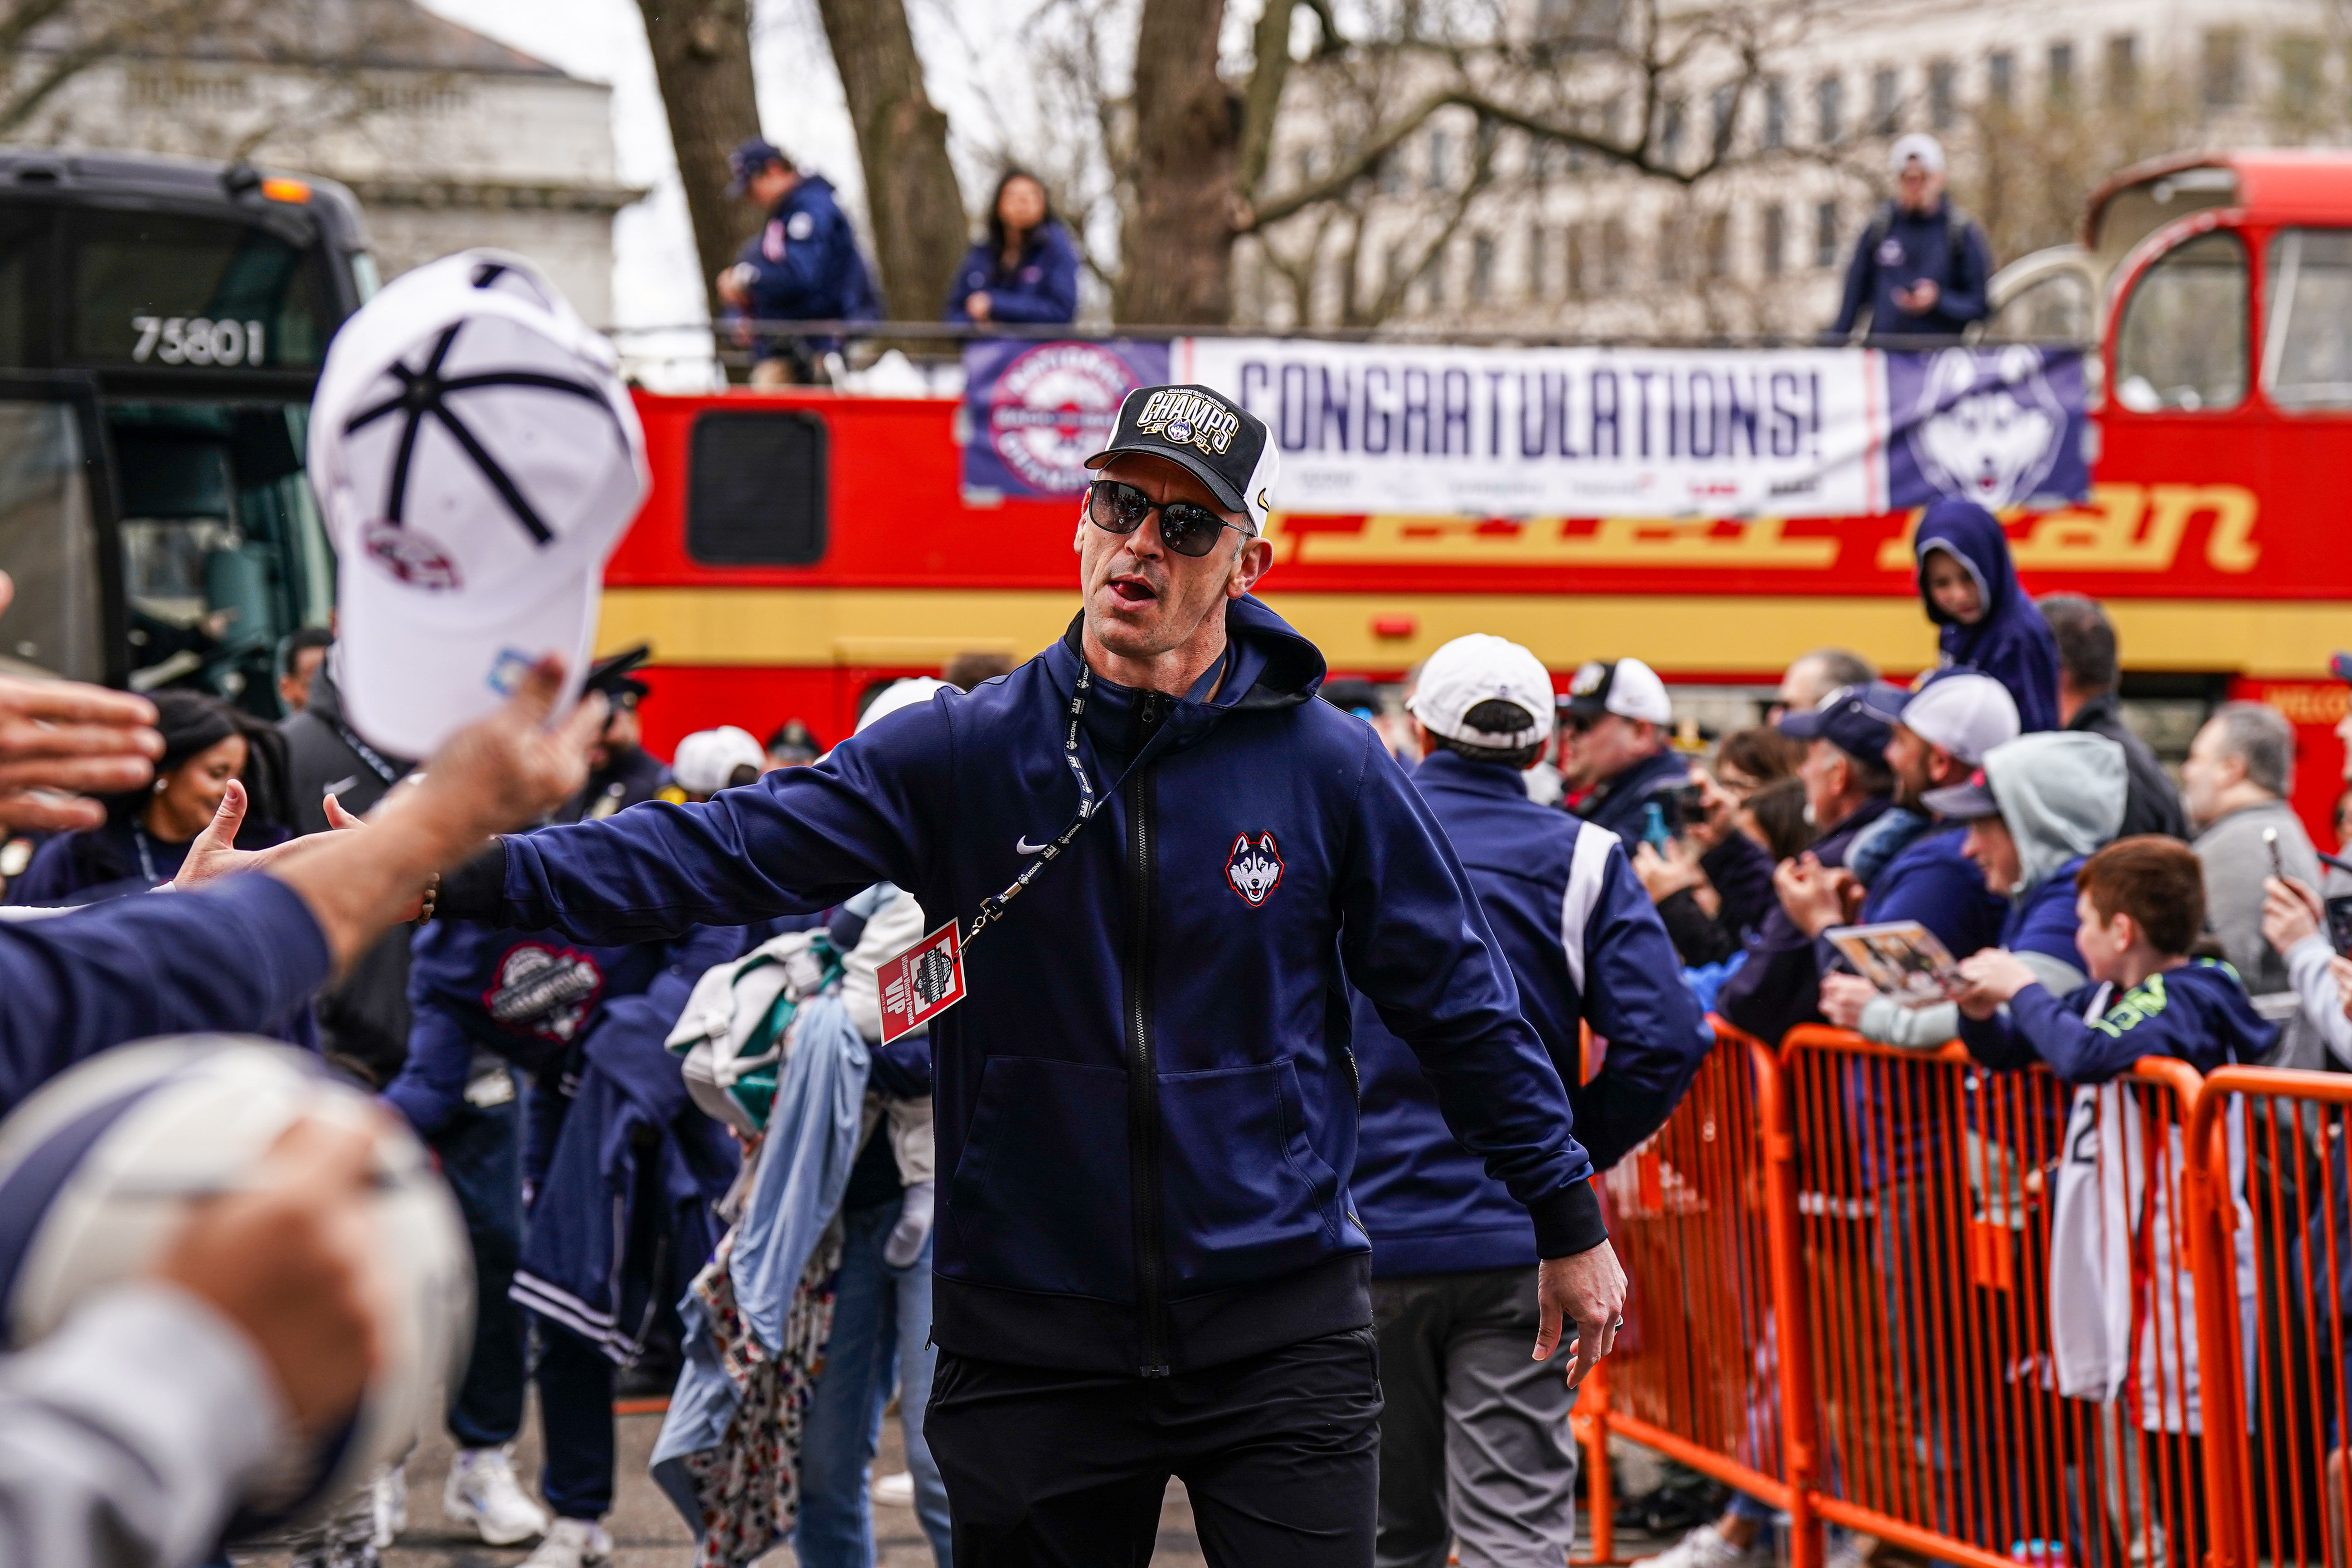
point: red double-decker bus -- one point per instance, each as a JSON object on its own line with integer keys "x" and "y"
{"x": 798, "y": 547}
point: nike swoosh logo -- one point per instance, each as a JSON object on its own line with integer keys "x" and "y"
{"x": 1026, "y": 848}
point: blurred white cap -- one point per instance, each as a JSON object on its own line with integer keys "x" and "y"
{"x": 1919, "y": 145}
{"x": 1483, "y": 668}
{"x": 902, "y": 694}
{"x": 707, "y": 760}
{"x": 1967, "y": 714}
{"x": 1625, "y": 687}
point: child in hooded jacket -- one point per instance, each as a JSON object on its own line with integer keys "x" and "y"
{"x": 2139, "y": 907}
{"x": 1969, "y": 585}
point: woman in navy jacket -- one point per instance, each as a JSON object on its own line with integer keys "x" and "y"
{"x": 1027, "y": 268}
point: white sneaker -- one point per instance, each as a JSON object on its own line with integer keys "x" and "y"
{"x": 483, "y": 1492}
{"x": 391, "y": 1500}
{"x": 572, "y": 1543}
{"x": 1706, "y": 1548}
{"x": 897, "y": 1489}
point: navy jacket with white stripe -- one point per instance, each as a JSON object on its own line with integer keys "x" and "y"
{"x": 1585, "y": 944}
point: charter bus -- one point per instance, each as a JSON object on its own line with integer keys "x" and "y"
{"x": 799, "y": 546}
{"x": 161, "y": 324}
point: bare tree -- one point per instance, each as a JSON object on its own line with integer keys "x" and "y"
{"x": 702, "y": 59}
{"x": 912, "y": 194}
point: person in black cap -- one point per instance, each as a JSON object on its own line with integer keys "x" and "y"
{"x": 1147, "y": 1262}
{"x": 621, "y": 772}
{"x": 803, "y": 266}
{"x": 1848, "y": 786}
{"x": 1613, "y": 752}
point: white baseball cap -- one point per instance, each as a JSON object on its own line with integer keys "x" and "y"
{"x": 898, "y": 694}
{"x": 1919, "y": 145}
{"x": 707, "y": 760}
{"x": 1964, "y": 713}
{"x": 1483, "y": 668}
{"x": 476, "y": 459}
{"x": 1625, "y": 687}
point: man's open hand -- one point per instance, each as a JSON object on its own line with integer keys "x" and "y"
{"x": 61, "y": 738}
{"x": 1589, "y": 1290}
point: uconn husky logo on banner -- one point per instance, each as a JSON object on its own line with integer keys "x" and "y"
{"x": 1991, "y": 426}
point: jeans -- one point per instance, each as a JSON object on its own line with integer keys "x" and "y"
{"x": 480, "y": 1150}
{"x": 881, "y": 1323}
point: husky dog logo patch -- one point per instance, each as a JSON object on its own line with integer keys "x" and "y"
{"x": 1253, "y": 869}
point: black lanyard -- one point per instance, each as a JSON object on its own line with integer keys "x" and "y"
{"x": 376, "y": 762}
{"x": 991, "y": 909}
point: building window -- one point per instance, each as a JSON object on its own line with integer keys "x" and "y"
{"x": 1579, "y": 280}
{"x": 2298, "y": 68}
{"x": 2123, "y": 70}
{"x": 1536, "y": 277}
{"x": 1482, "y": 269}
{"x": 2224, "y": 76}
{"x": 2000, "y": 78}
{"x": 1540, "y": 156}
{"x": 2061, "y": 75}
{"x": 1826, "y": 235}
{"x": 1829, "y": 110}
{"x": 1432, "y": 280}
{"x": 1673, "y": 242}
{"x": 1672, "y": 114}
{"x": 1773, "y": 235}
{"x": 1438, "y": 153}
{"x": 1776, "y": 112}
{"x": 1886, "y": 101}
{"x": 1943, "y": 95}
{"x": 1715, "y": 244}
{"x": 1391, "y": 178}
{"x": 1613, "y": 248}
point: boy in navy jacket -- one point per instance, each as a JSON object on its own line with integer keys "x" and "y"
{"x": 1145, "y": 1117}
{"x": 1454, "y": 1275}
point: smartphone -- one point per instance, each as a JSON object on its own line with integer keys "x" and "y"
{"x": 2269, "y": 842}
{"x": 1654, "y": 831}
{"x": 1690, "y": 802}
{"x": 2339, "y": 924}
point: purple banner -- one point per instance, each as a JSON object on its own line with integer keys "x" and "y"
{"x": 1034, "y": 412}
{"x": 2003, "y": 426}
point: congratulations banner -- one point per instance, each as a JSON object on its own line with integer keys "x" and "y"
{"x": 1613, "y": 432}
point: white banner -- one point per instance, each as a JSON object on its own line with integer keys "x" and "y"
{"x": 1561, "y": 432}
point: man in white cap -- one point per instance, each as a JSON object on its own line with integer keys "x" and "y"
{"x": 1474, "y": 1448}
{"x": 1922, "y": 268}
{"x": 1613, "y": 755}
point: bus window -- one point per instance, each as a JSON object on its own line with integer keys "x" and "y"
{"x": 48, "y": 545}
{"x": 755, "y": 492}
{"x": 2060, "y": 307}
{"x": 169, "y": 290}
{"x": 2307, "y": 323}
{"x": 2182, "y": 341}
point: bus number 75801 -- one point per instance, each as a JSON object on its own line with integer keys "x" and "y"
{"x": 196, "y": 340}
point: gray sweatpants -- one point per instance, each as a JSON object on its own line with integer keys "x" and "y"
{"x": 1474, "y": 1446}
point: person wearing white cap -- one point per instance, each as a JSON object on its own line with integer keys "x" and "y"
{"x": 1922, "y": 268}
{"x": 1473, "y": 1434}
{"x": 1613, "y": 755}
{"x": 711, "y": 760}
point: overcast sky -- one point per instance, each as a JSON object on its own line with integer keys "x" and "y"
{"x": 964, "y": 44}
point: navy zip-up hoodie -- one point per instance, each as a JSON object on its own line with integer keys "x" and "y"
{"x": 2011, "y": 641}
{"x": 1941, "y": 245}
{"x": 1430, "y": 1208}
{"x": 805, "y": 263}
{"x": 2198, "y": 1013}
{"x": 1042, "y": 287}
{"x": 1146, "y": 1112}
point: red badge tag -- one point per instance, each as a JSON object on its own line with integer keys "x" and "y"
{"x": 921, "y": 983}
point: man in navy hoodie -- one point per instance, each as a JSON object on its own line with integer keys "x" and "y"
{"x": 1474, "y": 1440}
{"x": 1146, "y": 1260}
{"x": 1922, "y": 267}
{"x": 803, "y": 266}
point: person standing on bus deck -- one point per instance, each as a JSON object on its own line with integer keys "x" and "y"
{"x": 1922, "y": 268}
{"x": 1025, "y": 269}
{"x": 1146, "y": 1261}
{"x": 1474, "y": 1448}
{"x": 803, "y": 266}
{"x": 1613, "y": 755}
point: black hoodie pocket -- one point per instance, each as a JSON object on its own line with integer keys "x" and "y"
{"x": 1248, "y": 1199}
{"x": 1039, "y": 1198}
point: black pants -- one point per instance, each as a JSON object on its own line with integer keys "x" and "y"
{"x": 1279, "y": 1452}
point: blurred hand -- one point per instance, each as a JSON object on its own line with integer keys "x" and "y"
{"x": 2291, "y": 912}
{"x": 2339, "y": 970}
{"x": 61, "y": 738}
{"x": 1993, "y": 976}
{"x": 975, "y": 305}
{"x": 732, "y": 288}
{"x": 1815, "y": 896}
{"x": 1843, "y": 996}
{"x": 1663, "y": 876}
{"x": 504, "y": 772}
{"x": 292, "y": 1263}
{"x": 1919, "y": 299}
{"x": 215, "y": 854}
{"x": 1719, "y": 822}
{"x": 1589, "y": 1290}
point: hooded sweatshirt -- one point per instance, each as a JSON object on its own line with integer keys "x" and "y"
{"x": 2010, "y": 642}
{"x": 2197, "y": 1012}
{"x": 2062, "y": 796}
{"x": 1146, "y": 1098}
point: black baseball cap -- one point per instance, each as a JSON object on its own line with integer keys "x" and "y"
{"x": 1224, "y": 446}
{"x": 752, "y": 154}
{"x": 1857, "y": 719}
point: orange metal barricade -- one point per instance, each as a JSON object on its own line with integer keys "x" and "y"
{"x": 2285, "y": 1136}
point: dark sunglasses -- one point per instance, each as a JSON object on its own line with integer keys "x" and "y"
{"x": 1186, "y": 527}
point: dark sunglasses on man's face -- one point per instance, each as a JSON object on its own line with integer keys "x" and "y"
{"x": 1185, "y": 527}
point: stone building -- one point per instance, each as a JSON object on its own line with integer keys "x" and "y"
{"x": 448, "y": 138}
